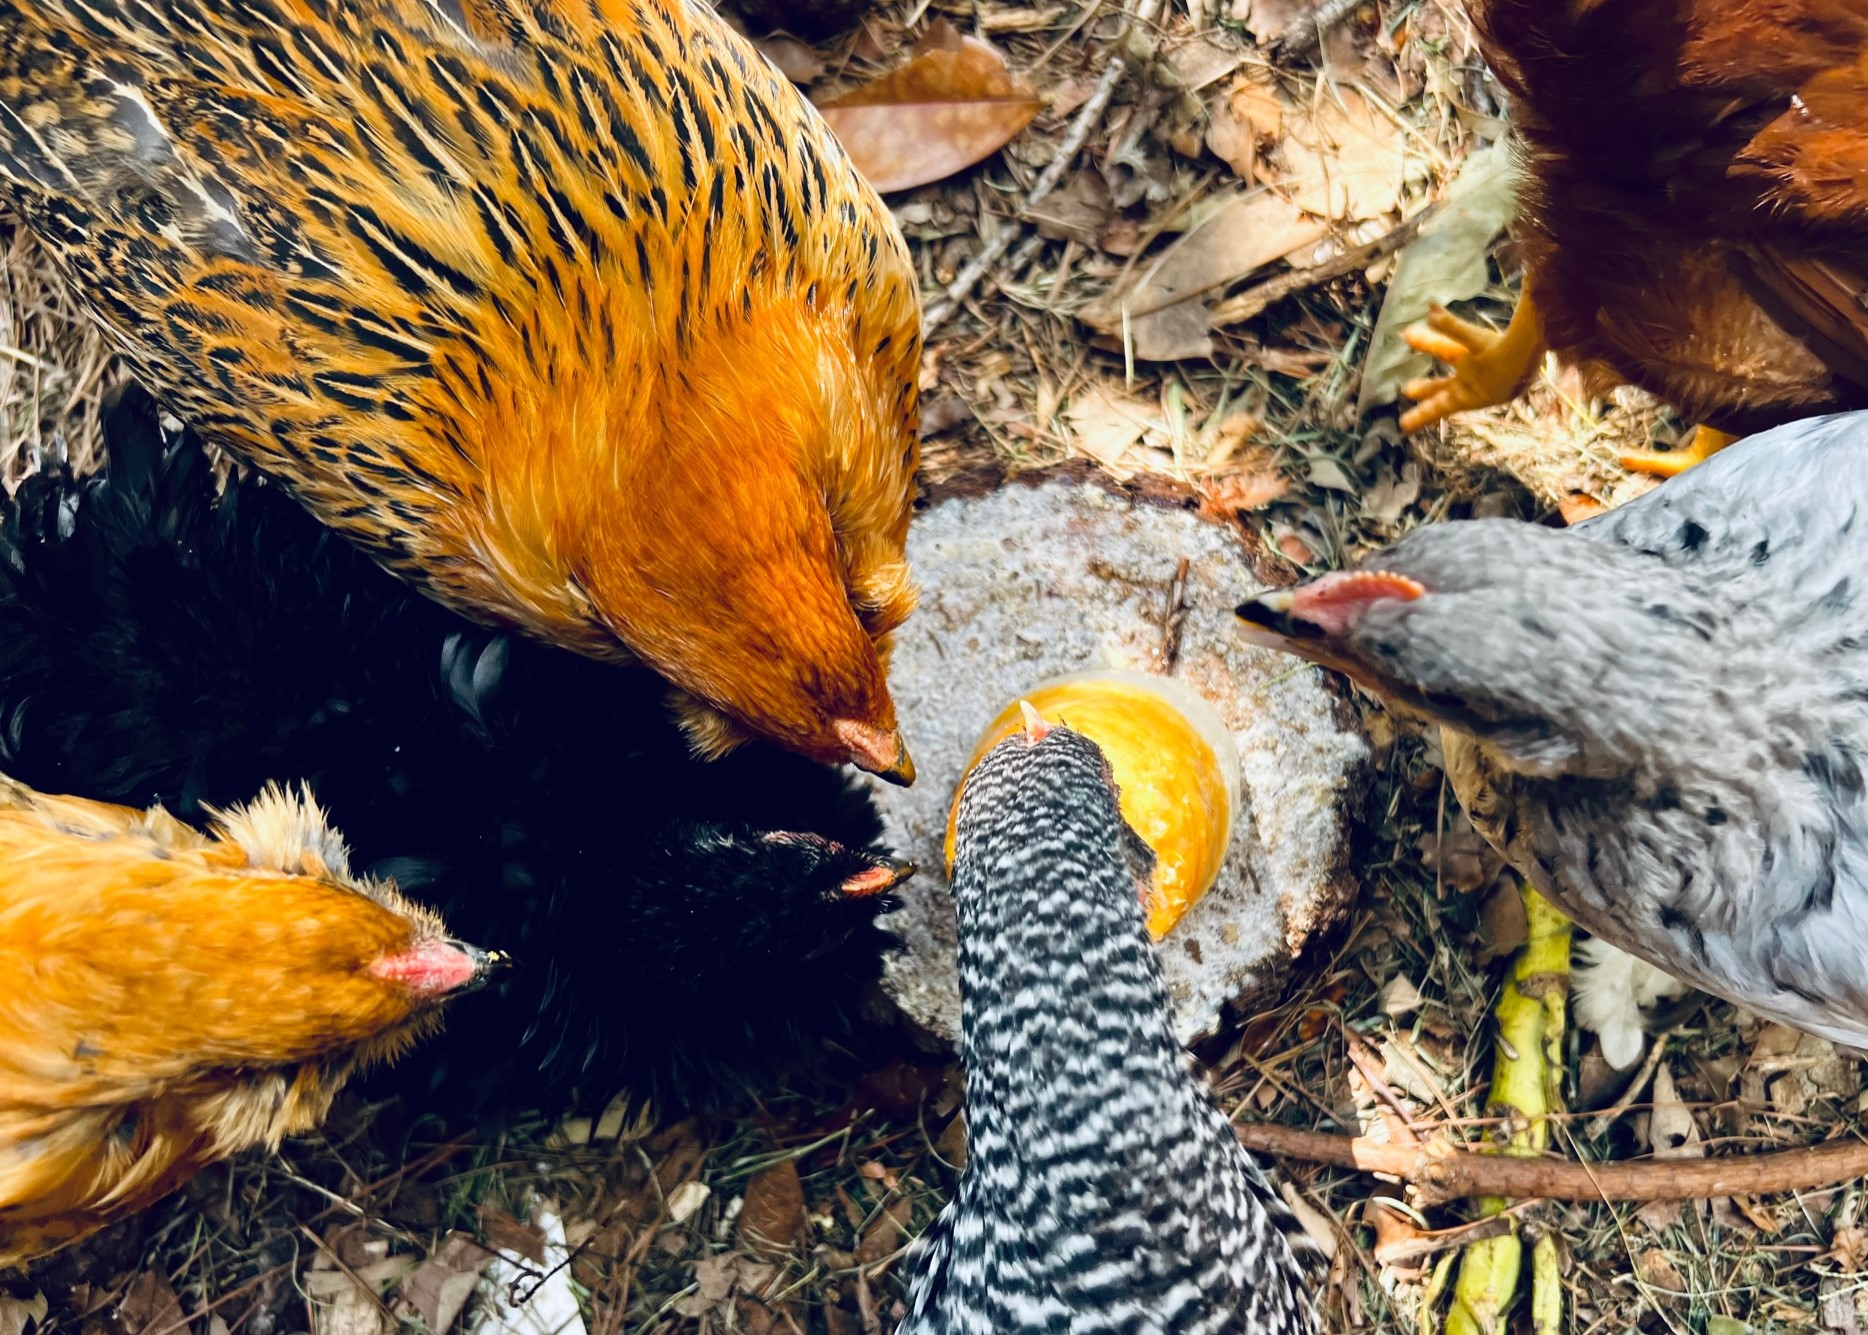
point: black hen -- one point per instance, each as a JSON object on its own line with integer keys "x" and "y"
{"x": 680, "y": 928}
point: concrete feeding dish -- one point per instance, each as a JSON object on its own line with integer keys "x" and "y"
{"x": 1036, "y": 581}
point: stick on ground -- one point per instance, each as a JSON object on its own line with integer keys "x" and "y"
{"x": 1442, "y": 1175}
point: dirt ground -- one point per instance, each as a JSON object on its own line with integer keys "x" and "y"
{"x": 1198, "y": 298}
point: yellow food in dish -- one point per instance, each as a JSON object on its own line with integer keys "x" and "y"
{"x": 1164, "y": 744}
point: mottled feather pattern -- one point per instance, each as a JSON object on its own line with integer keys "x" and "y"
{"x": 503, "y": 291}
{"x": 1103, "y": 1189}
{"x": 1661, "y": 715}
{"x": 1695, "y": 210}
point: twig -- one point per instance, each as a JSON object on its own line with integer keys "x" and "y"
{"x": 1306, "y": 34}
{"x": 1603, "y": 1120}
{"x": 1273, "y": 290}
{"x": 1445, "y": 1175}
{"x": 1088, "y": 117}
{"x": 1174, "y": 620}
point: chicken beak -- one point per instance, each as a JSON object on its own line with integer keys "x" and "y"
{"x": 486, "y": 963}
{"x": 1036, "y": 729}
{"x": 878, "y": 880}
{"x": 884, "y": 755}
{"x": 1271, "y": 612}
{"x": 440, "y": 967}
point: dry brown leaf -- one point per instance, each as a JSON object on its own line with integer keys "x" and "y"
{"x": 1461, "y": 858}
{"x": 438, "y": 1289}
{"x": 1080, "y": 211}
{"x": 955, "y": 103}
{"x": 150, "y": 1304}
{"x": 1502, "y": 928}
{"x": 503, "y": 1233}
{"x": 1106, "y": 425}
{"x": 1344, "y": 159}
{"x": 1252, "y": 487}
{"x": 772, "y": 1219}
{"x": 884, "y": 1235}
{"x": 794, "y": 59}
{"x": 1397, "y": 1237}
{"x": 1168, "y": 303}
{"x": 1240, "y": 119}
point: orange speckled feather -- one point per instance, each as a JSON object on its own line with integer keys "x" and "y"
{"x": 572, "y": 310}
{"x": 1695, "y": 218}
{"x": 173, "y": 998}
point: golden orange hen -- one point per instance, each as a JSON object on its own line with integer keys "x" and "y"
{"x": 572, "y": 310}
{"x": 172, "y": 998}
{"x": 1695, "y": 215}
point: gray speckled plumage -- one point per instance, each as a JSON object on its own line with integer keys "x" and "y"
{"x": 1103, "y": 1190}
{"x": 1661, "y": 715}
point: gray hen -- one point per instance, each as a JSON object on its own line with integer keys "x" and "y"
{"x": 1661, "y": 715}
{"x": 1103, "y": 1190}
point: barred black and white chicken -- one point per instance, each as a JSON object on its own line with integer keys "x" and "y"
{"x": 1103, "y": 1190}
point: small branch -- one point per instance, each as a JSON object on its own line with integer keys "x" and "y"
{"x": 1445, "y": 1175}
{"x": 1089, "y": 116}
{"x": 1250, "y": 302}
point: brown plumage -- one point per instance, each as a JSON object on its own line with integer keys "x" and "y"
{"x": 572, "y": 310}
{"x": 173, "y": 997}
{"x": 1694, "y": 217}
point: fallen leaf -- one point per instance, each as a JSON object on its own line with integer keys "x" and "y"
{"x": 1242, "y": 117}
{"x": 1400, "y": 997}
{"x": 1198, "y": 61}
{"x": 1386, "y": 498}
{"x": 1444, "y": 263}
{"x": 951, "y": 1147}
{"x": 713, "y": 1279}
{"x": 1105, "y": 425}
{"x": 953, "y": 104}
{"x": 18, "y": 1315}
{"x": 1461, "y": 858}
{"x": 1079, "y": 212}
{"x": 1168, "y": 309}
{"x": 1654, "y": 1266}
{"x": 1344, "y": 159}
{"x": 438, "y": 1289}
{"x": 772, "y": 1219}
{"x": 1296, "y": 549}
{"x": 685, "y": 1199}
{"x": 1502, "y": 927}
{"x": 1248, "y": 489}
{"x": 1325, "y": 472}
{"x": 150, "y": 1304}
{"x": 794, "y": 59}
{"x": 884, "y": 1235}
{"x": 503, "y": 1233}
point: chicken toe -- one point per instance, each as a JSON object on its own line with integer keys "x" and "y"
{"x": 1707, "y": 441}
{"x": 1489, "y": 366}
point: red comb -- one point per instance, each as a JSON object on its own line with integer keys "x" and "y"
{"x": 1336, "y": 602}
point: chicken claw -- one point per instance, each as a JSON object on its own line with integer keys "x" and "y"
{"x": 1707, "y": 441}
{"x": 1489, "y": 367}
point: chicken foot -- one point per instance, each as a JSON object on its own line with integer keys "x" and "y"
{"x": 1489, "y": 366}
{"x": 1707, "y": 441}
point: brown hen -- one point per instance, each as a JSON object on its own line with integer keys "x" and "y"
{"x": 572, "y": 310}
{"x": 173, "y": 998}
{"x": 1695, "y": 212}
